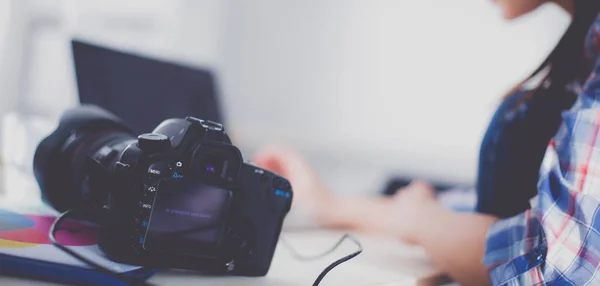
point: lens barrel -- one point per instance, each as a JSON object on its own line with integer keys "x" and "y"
{"x": 60, "y": 161}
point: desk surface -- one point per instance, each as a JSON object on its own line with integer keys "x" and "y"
{"x": 384, "y": 262}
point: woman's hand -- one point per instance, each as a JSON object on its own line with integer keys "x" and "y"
{"x": 401, "y": 215}
{"x": 410, "y": 210}
{"x": 311, "y": 196}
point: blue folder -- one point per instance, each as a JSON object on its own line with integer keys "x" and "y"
{"x": 25, "y": 251}
{"x": 61, "y": 273}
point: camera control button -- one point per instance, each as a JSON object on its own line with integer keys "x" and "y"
{"x": 176, "y": 166}
{"x": 146, "y": 205}
{"x": 177, "y": 170}
{"x": 177, "y": 175}
{"x": 149, "y": 189}
{"x": 157, "y": 169}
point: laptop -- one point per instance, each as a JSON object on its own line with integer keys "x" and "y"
{"x": 141, "y": 90}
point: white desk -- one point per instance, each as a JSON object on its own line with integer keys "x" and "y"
{"x": 383, "y": 262}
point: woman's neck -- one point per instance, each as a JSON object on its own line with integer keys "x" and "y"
{"x": 567, "y": 5}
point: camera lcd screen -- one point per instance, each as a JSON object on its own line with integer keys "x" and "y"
{"x": 187, "y": 216}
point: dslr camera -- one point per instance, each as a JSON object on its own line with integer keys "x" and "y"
{"x": 179, "y": 197}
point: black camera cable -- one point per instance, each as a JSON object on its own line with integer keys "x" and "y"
{"x": 133, "y": 281}
{"x": 124, "y": 278}
{"x": 299, "y": 256}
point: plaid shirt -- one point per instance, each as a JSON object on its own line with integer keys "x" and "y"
{"x": 557, "y": 241}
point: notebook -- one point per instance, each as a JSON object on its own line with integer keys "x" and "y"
{"x": 26, "y": 251}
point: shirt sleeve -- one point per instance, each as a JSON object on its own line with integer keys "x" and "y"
{"x": 557, "y": 241}
{"x": 515, "y": 250}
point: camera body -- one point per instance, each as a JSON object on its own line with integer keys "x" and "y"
{"x": 179, "y": 197}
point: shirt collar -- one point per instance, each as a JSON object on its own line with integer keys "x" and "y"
{"x": 592, "y": 42}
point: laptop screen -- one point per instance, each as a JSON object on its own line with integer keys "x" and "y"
{"x": 140, "y": 90}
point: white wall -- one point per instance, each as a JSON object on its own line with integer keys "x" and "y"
{"x": 37, "y": 56}
{"x": 4, "y": 16}
{"x": 363, "y": 88}
{"x": 404, "y": 86}
{"x": 36, "y": 71}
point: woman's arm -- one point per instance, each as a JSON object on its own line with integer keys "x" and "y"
{"x": 454, "y": 241}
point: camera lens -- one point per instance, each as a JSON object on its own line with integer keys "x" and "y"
{"x": 61, "y": 160}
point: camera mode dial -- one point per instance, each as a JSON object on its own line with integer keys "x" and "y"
{"x": 152, "y": 142}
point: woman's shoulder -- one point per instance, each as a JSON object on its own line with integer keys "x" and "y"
{"x": 581, "y": 123}
{"x": 589, "y": 95}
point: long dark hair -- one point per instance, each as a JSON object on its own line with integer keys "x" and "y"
{"x": 567, "y": 62}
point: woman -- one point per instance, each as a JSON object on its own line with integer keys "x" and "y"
{"x": 538, "y": 181}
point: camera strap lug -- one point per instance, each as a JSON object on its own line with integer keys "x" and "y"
{"x": 122, "y": 167}
{"x": 230, "y": 265}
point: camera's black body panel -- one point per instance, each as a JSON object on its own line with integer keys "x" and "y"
{"x": 181, "y": 197}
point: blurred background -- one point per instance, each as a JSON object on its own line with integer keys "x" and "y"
{"x": 367, "y": 90}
